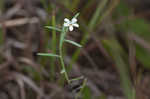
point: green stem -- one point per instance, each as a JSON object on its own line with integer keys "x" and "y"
{"x": 63, "y": 34}
{"x": 63, "y": 68}
{"x": 81, "y": 90}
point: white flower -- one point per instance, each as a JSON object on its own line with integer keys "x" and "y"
{"x": 71, "y": 24}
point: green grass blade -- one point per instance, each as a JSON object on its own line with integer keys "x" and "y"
{"x": 97, "y": 14}
{"x": 53, "y": 47}
{"x": 88, "y": 30}
{"x": 115, "y": 50}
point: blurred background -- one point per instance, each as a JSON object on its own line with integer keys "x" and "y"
{"x": 115, "y": 57}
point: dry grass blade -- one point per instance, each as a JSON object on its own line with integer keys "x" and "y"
{"x": 18, "y": 22}
{"x": 22, "y": 90}
{"x": 34, "y": 65}
{"x": 29, "y": 82}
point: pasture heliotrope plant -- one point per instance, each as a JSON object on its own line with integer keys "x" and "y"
{"x": 67, "y": 25}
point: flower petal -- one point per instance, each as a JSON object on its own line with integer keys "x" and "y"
{"x": 74, "y": 20}
{"x": 67, "y": 20}
{"x": 75, "y": 25}
{"x": 66, "y": 24}
{"x": 71, "y": 28}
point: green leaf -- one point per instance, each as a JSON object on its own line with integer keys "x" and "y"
{"x": 143, "y": 56}
{"x": 73, "y": 43}
{"x": 76, "y": 15}
{"x": 48, "y": 54}
{"x": 62, "y": 71}
{"x": 78, "y": 78}
{"x": 53, "y": 28}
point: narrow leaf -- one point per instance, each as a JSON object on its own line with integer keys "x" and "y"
{"x": 73, "y": 43}
{"x": 76, "y": 15}
{"x": 53, "y": 28}
{"x": 78, "y": 78}
{"x": 62, "y": 71}
{"x": 48, "y": 54}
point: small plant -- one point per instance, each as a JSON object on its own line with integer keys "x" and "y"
{"x": 67, "y": 26}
